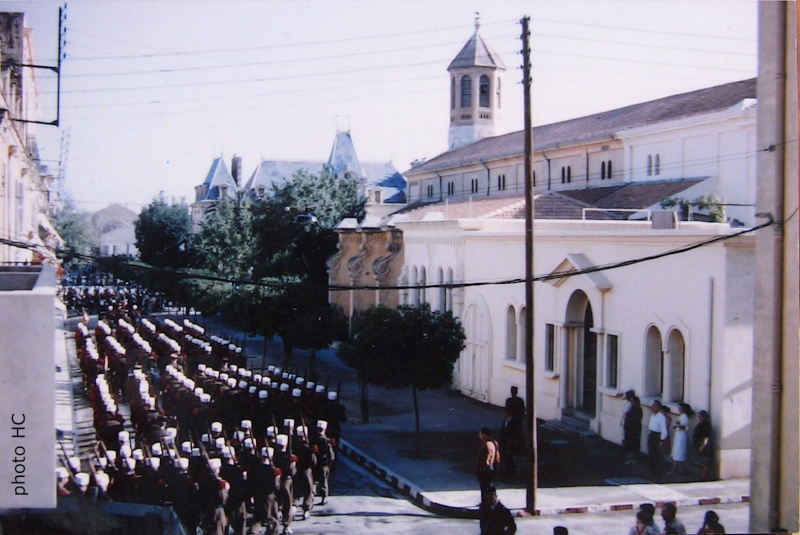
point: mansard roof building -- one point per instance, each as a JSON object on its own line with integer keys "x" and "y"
{"x": 380, "y": 182}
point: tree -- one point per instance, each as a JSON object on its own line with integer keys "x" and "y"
{"x": 162, "y": 233}
{"x": 225, "y": 243}
{"x": 328, "y": 197}
{"x": 405, "y": 347}
{"x": 75, "y": 228}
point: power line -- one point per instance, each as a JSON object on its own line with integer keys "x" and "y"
{"x": 450, "y": 285}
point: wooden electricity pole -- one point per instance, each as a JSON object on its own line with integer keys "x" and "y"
{"x": 532, "y": 481}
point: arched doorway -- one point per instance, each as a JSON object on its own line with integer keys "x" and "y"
{"x": 474, "y": 361}
{"x": 581, "y": 356}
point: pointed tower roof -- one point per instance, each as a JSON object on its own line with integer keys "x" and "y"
{"x": 218, "y": 176}
{"x": 343, "y": 155}
{"x": 476, "y": 53}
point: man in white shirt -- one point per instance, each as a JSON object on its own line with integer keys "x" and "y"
{"x": 656, "y": 439}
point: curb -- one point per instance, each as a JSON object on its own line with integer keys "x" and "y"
{"x": 405, "y": 488}
{"x": 417, "y": 497}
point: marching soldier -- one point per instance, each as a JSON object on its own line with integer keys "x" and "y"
{"x": 306, "y": 460}
{"x": 262, "y": 482}
{"x": 325, "y": 458}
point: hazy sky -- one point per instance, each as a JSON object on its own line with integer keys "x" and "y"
{"x": 153, "y": 91}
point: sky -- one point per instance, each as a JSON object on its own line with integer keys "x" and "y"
{"x": 153, "y": 91}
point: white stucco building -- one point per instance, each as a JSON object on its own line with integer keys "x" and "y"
{"x": 676, "y": 326}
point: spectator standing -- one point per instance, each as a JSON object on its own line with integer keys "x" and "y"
{"x": 643, "y": 526}
{"x": 510, "y": 441}
{"x": 632, "y": 430}
{"x": 671, "y": 523}
{"x": 711, "y": 525}
{"x": 515, "y": 405}
{"x": 488, "y": 456}
{"x": 702, "y": 444}
{"x": 656, "y": 438}
{"x": 680, "y": 439}
{"x": 494, "y": 517}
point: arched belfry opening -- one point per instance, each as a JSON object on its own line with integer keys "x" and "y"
{"x": 581, "y": 355}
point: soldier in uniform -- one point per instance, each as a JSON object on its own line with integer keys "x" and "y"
{"x": 262, "y": 483}
{"x": 286, "y": 463}
{"x": 325, "y": 458}
{"x": 306, "y": 460}
{"x": 235, "y": 507}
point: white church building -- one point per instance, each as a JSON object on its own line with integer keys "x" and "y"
{"x": 627, "y": 189}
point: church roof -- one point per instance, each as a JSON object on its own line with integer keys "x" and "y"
{"x": 563, "y": 204}
{"x": 218, "y": 176}
{"x": 476, "y": 53}
{"x": 594, "y": 127}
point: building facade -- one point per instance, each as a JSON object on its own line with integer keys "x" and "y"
{"x": 28, "y": 193}
{"x": 624, "y": 190}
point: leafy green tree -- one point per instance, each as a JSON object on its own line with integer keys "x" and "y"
{"x": 328, "y": 197}
{"x": 405, "y": 347}
{"x": 162, "y": 233}
{"x": 225, "y": 243}
{"x": 80, "y": 239}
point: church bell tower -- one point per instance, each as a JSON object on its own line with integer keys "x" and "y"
{"x": 475, "y": 92}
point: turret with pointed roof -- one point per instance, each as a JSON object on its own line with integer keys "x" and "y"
{"x": 475, "y": 92}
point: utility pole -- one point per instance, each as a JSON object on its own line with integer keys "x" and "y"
{"x": 532, "y": 482}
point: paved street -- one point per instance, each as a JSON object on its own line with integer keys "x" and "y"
{"x": 442, "y": 465}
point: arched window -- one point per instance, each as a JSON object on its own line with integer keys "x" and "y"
{"x": 466, "y": 92}
{"x": 569, "y": 173}
{"x": 653, "y": 363}
{"x": 442, "y": 304}
{"x": 608, "y": 169}
{"x": 511, "y": 334}
{"x": 453, "y": 93}
{"x": 649, "y": 164}
{"x": 674, "y": 364}
{"x": 422, "y": 282}
{"x": 522, "y": 328}
{"x": 658, "y": 165}
{"x": 483, "y": 92}
{"x": 449, "y": 294}
{"x": 602, "y": 170}
{"x": 563, "y": 175}
{"x": 414, "y": 282}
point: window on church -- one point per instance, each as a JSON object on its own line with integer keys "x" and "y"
{"x": 569, "y": 174}
{"x": 466, "y": 92}
{"x": 608, "y": 169}
{"x": 563, "y": 175}
{"x": 657, "y": 167}
{"x": 483, "y": 90}
{"x": 649, "y": 164}
{"x": 602, "y": 170}
{"x": 511, "y": 334}
{"x": 550, "y": 347}
{"x": 452, "y": 93}
{"x": 612, "y": 360}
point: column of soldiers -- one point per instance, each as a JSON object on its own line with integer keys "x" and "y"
{"x": 209, "y": 436}
{"x": 113, "y": 299}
